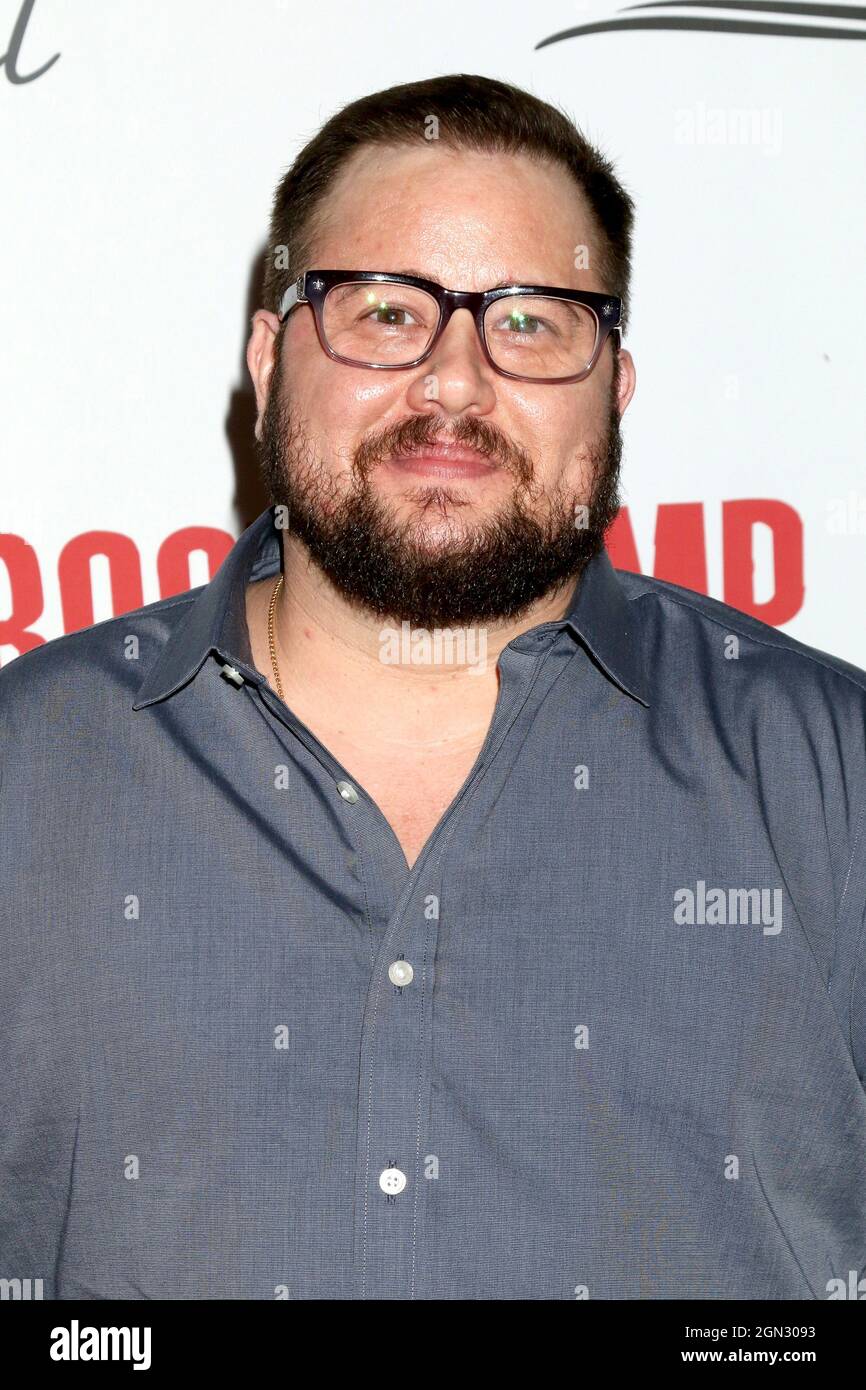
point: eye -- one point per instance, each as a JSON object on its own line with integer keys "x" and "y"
{"x": 516, "y": 322}
{"x": 390, "y": 315}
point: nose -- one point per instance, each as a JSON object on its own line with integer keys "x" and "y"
{"x": 457, "y": 374}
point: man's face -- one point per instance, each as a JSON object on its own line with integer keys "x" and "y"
{"x": 405, "y": 541}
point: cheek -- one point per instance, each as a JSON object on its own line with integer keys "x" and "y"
{"x": 345, "y": 400}
{"x": 555, "y": 420}
{"x": 342, "y": 407}
{"x": 564, "y": 445}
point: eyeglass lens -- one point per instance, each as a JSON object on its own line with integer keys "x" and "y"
{"x": 389, "y": 324}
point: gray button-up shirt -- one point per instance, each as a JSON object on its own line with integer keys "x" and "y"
{"x": 606, "y": 1039}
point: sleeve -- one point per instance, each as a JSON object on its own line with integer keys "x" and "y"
{"x": 39, "y": 1103}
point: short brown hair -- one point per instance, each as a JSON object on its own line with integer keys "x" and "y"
{"x": 472, "y": 113}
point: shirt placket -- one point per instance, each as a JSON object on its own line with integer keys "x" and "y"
{"x": 396, "y": 1047}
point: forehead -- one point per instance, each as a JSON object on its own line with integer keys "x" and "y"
{"x": 465, "y": 218}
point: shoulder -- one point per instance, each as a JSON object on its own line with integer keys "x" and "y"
{"x": 772, "y": 730}
{"x": 717, "y": 642}
{"x": 63, "y": 666}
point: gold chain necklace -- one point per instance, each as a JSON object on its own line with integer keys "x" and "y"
{"x": 271, "y": 642}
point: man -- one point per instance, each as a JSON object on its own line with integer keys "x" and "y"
{"x": 423, "y": 909}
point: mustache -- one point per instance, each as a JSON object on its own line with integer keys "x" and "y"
{"x": 408, "y": 436}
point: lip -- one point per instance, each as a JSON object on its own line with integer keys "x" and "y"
{"x": 443, "y": 461}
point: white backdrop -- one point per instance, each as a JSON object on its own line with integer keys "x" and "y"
{"x": 138, "y": 171}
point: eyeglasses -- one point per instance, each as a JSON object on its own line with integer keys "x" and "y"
{"x": 371, "y": 318}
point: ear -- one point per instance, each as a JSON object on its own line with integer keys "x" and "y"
{"x": 261, "y": 358}
{"x": 627, "y": 380}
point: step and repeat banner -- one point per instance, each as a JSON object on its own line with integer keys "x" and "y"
{"x": 141, "y": 144}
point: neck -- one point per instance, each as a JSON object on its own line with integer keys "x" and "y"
{"x": 393, "y": 683}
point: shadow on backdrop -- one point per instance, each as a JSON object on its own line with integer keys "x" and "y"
{"x": 250, "y": 498}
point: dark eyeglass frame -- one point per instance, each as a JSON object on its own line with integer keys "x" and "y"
{"x": 313, "y": 286}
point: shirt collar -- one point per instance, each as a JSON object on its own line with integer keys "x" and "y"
{"x": 216, "y": 619}
{"x": 599, "y": 614}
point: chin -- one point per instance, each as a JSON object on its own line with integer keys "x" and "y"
{"x": 434, "y": 537}
{"x": 435, "y": 521}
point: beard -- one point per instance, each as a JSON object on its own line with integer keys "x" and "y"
{"x": 431, "y": 571}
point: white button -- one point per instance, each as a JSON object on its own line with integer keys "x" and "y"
{"x": 392, "y": 1181}
{"x": 232, "y": 674}
{"x": 400, "y": 972}
{"x": 347, "y": 792}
